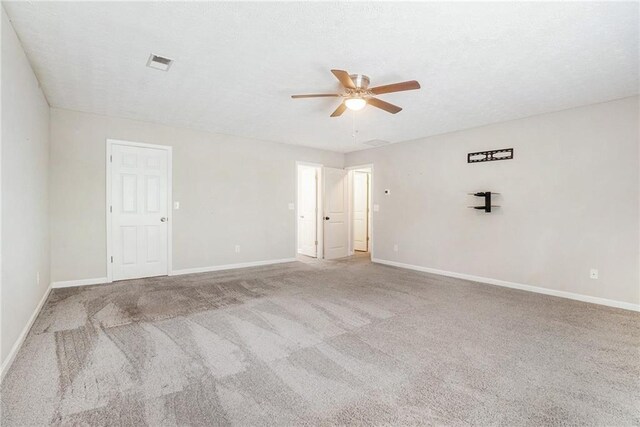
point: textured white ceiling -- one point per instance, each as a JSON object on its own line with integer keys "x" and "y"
{"x": 236, "y": 64}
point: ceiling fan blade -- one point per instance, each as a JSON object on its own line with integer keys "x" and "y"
{"x": 378, "y": 103}
{"x": 315, "y": 95}
{"x": 339, "y": 110}
{"x": 344, "y": 78}
{"x": 396, "y": 87}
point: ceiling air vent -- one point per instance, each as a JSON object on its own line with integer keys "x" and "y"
{"x": 376, "y": 142}
{"x": 159, "y": 62}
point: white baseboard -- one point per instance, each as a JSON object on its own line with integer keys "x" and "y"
{"x": 530, "y": 288}
{"x": 104, "y": 280}
{"x": 23, "y": 335}
{"x": 80, "y": 282}
{"x": 230, "y": 266}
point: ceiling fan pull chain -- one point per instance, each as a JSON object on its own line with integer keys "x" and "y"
{"x": 354, "y": 132}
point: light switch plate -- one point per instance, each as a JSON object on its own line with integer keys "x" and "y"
{"x": 176, "y": 205}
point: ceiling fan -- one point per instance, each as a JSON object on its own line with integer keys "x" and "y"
{"x": 357, "y": 93}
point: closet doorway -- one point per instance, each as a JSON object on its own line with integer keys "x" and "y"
{"x": 360, "y": 179}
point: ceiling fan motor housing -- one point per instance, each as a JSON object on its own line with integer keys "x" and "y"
{"x": 360, "y": 80}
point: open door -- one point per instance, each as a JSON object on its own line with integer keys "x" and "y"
{"x": 307, "y": 210}
{"x": 336, "y": 230}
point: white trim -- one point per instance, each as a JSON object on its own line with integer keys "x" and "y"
{"x": 138, "y": 144}
{"x": 23, "y": 335}
{"x": 80, "y": 282}
{"x": 104, "y": 280}
{"x": 315, "y": 165}
{"x": 230, "y": 266}
{"x": 364, "y": 166}
{"x": 169, "y": 149}
{"x": 504, "y": 283}
{"x": 107, "y": 208}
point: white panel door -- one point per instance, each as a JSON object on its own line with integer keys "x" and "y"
{"x": 360, "y": 211}
{"x": 336, "y": 234}
{"x": 307, "y": 201}
{"x": 139, "y": 214}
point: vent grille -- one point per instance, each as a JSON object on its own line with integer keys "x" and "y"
{"x": 376, "y": 142}
{"x": 159, "y": 62}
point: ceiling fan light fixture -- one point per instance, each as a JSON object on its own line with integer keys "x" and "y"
{"x": 356, "y": 103}
{"x": 357, "y": 93}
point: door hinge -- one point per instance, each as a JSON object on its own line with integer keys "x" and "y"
{"x": 110, "y": 208}
{"x": 110, "y": 159}
{"x": 316, "y": 243}
{"x": 111, "y": 260}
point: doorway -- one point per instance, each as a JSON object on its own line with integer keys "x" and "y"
{"x": 333, "y": 218}
{"x": 309, "y": 227}
{"x": 360, "y": 215}
{"x": 138, "y": 206}
{"x": 361, "y": 224}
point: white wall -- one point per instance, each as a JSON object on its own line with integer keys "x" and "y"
{"x": 570, "y": 201}
{"x": 25, "y": 197}
{"x": 231, "y": 191}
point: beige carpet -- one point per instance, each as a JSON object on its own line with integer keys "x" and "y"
{"x": 336, "y": 343}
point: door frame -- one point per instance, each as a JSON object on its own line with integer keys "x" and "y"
{"x": 350, "y": 170}
{"x": 109, "y": 144}
{"x": 319, "y": 206}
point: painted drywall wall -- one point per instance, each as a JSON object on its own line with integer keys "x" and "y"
{"x": 232, "y": 191}
{"x": 569, "y": 201}
{"x": 25, "y": 196}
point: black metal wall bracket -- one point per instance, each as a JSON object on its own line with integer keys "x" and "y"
{"x": 487, "y": 201}
{"x": 490, "y": 155}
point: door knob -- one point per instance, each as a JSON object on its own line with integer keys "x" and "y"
{"x": 327, "y": 218}
{"x": 163, "y": 219}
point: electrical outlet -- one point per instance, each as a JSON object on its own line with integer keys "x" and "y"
{"x": 237, "y": 249}
{"x": 292, "y": 206}
{"x": 395, "y": 248}
{"x": 593, "y": 273}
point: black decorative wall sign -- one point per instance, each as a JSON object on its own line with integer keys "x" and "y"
{"x": 488, "y": 156}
